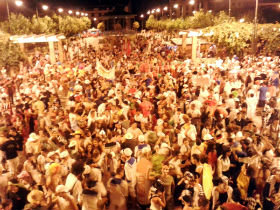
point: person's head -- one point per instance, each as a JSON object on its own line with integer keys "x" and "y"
{"x": 165, "y": 170}
{"x": 226, "y": 151}
{"x": 77, "y": 168}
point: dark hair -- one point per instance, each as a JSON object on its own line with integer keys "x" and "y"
{"x": 217, "y": 181}
{"x": 250, "y": 171}
{"x": 195, "y": 156}
{"x": 158, "y": 186}
{"x": 226, "y": 149}
{"x": 187, "y": 198}
{"x": 77, "y": 168}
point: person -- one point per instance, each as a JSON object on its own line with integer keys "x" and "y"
{"x": 118, "y": 191}
{"x": 262, "y": 96}
{"x": 64, "y": 199}
{"x": 10, "y": 148}
{"x": 168, "y": 182}
{"x": 130, "y": 171}
{"x": 158, "y": 201}
{"x": 221, "y": 193}
{"x": 73, "y": 182}
{"x": 143, "y": 179}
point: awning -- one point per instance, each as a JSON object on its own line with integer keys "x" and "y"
{"x": 36, "y": 38}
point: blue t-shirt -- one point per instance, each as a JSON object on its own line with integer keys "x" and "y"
{"x": 275, "y": 82}
{"x": 263, "y": 91}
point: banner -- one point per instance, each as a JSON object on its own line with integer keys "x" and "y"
{"x": 103, "y": 72}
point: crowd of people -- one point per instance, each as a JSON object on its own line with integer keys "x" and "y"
{"x": 139, "y": 127}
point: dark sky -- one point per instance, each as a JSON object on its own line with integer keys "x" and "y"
{"x": 137, "y": 6}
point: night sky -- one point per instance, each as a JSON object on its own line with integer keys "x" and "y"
{"x": 137, "y": 6}
{"x": 271, "y": 14}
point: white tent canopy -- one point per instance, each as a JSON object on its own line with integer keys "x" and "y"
{"x": 36, "y": 38}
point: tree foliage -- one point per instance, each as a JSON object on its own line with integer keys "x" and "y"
{"x": 11, "y": 55}
{"x": 67, "y": 25}
{"x": 234, "y": 37}
{"x": 101, "y": 26}
{"x": 18, "y": 24}
{"x": 135, "y": 25}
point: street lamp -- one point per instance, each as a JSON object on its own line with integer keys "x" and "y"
{"x": 149, "y": 12}
{"x": 82, "y": 14}
{"x": 176, "y": 6}
{"x": 158, "y": 10}
{"x": 94, "y": 19}
{"x": 242, "y": 20}
{"x": 8, "y": 9}
{"x": 153, "y": 11}
{"x": 142, "y": 17}
{"x": 194, "y": 12}
{"x": 70, "y": 12}
{"x": 77, "y": 13}
{"x": 210, "y": 11}
{"x": 19, "y": 3}
{"x": 229, "y": 7}
{"x": 60, "y": 10}
{"x": 255, "y": 27}
{"x": 191, "y": 2}
{"x": 45, "y": 7}
{"x": 86, "y": 14}
{"x": 165, "y": 8}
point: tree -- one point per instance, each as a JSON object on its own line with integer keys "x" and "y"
{"x": 11, "y": 55}
{"x": 136, "y": 25}
{"x": 17, "y": 25}
{"x": 151, "y": 22}
{"x": 235, "y": 37}
{"x": 101, "y": 26}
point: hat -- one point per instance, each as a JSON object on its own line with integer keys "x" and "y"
{"x": 141, "y": 138}
{"x": 159, "y": 122}
{"x": 128, "y": 136}
{"x": 207, "y": 137}
{"x": 72, "y": 144}
{"x": 61, "y": 188}
{"x": 35, "y": 196}
{"x": 87, "y": 169}
{"x": 50, "y": 154}
{"x": 189, "y": 176}
{"x": 127, "y": 152}
{"x": 64, "y": 154}
{"x": 54, "y": 168}
{"x": 164, "y": 145}
{"x": 239, "y": 134}
{"x": 33, "y": 137}
{"x": 78, "y": 132}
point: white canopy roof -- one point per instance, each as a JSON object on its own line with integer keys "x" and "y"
{"x": 36, "y": 38}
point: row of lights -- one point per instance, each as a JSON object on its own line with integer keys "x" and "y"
{"x": 175, "y": 6}
{"x": 45, "y": 7}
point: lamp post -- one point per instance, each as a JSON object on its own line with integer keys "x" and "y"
{"x": 176, "y": 6}
{"x": 8, "y": 9}
{"x": 142, "y": 20}
{"x": 255, "y": 28}
{"x": 229, "y": 7}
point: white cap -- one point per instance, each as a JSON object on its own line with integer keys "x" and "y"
{"x": 141, "y": 138}
{"x": 239, "y": 134}
{"x": 127, "y": 152}
{"x": 164, "y": 145}
{"x": 87, "y": 169}
{"x": 64, "y": 154}
{"x": 207, "y": 137}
